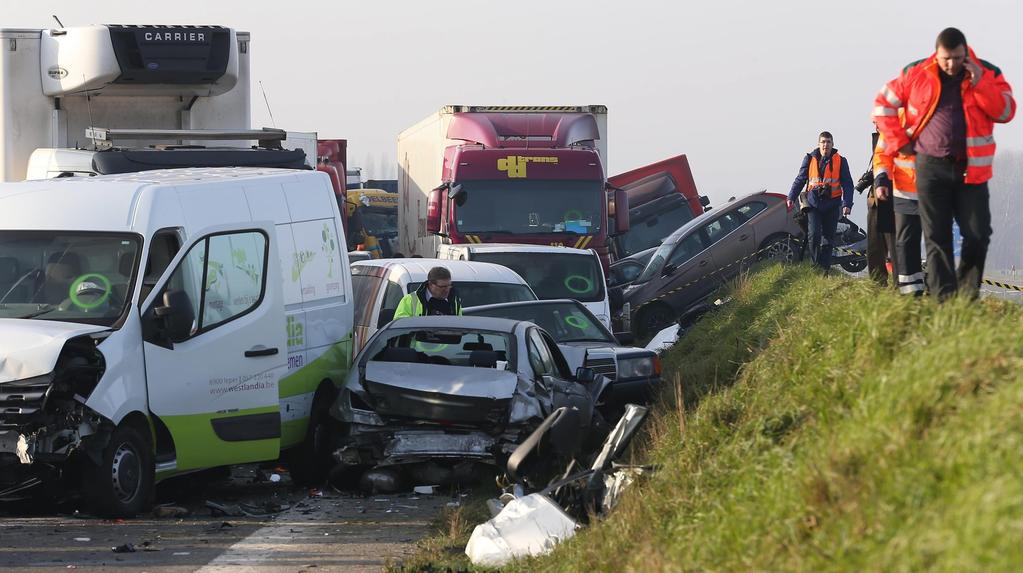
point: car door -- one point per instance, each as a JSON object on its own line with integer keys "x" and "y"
{"x": 215, "y": 390}
{"x": 687, "y": 275}
{"x": 730, "y": 243}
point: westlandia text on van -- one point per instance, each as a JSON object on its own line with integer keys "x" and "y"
{"x": 162, "y": 322}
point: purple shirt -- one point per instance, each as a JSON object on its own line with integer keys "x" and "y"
{"x": 945, "y": 133}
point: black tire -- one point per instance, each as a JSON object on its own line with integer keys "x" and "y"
{"x": 652, "y": 318}
{"x": 122, "y": 484}
{"x": 854, "y": 265}
{"x": 778, "y": 247}
{"x": 310, "y": 461}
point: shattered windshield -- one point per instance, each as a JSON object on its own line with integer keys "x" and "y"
{"x": 66, "y": 276}
{"x": 566, "y": 322}
{"x": 530, "y": 206}
{"x": 554, "y": 275}
{"x": 477, "y": 348}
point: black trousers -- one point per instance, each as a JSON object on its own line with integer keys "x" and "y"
{"x": 910, "y": 274}
{"x": 822, "y": 226}
{"x": 880, "y": 239}
{"x": 945, "y": 197}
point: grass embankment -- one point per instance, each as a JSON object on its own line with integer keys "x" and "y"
{"x": 828, "y": 425}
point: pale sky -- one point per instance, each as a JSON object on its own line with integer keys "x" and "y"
{"x": 742, "y": 88}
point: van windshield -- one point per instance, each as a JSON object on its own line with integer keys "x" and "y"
{"x": 478, "y": 293}
{"x": 67, "y": 276}
{"x": 554, "y": 275}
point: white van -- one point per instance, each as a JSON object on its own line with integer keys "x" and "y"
{"x": 162, "y": 322}
{"x": 380, "y": 283}
{"x": 553, "y": 272}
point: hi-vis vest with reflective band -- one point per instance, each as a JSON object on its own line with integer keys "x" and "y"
{"x": 916, "y": 92}
{"x": 410, "y": 305}
{"x": 900, "y": 169}
{"x": 829, "y": 178}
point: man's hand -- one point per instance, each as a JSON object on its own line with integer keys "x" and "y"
{"x": 846, "y": 211}
{"x": 973, "y": 70}
{"x": 788, "y": 204}
{"x": 881, "y": 193}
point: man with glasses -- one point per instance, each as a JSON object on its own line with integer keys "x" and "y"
{"x": 433, "y": 297}
{"x": 824, "y": 174}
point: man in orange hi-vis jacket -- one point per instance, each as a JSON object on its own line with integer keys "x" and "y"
{"x": 936, "y": 120}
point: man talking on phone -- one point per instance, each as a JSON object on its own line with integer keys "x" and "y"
{"x": 936, "y": 119}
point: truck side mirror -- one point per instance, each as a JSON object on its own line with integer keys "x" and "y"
{"x": 433, "y": 210}
{"x": 177, "y": 315}
{"x": 704, "y": 201}
{"x": 621, "y": 200}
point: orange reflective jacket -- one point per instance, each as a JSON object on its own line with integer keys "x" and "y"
{"x": 830, "y": 177}
{"x": 900, "y": 169}
{"x": 915, "y": 93}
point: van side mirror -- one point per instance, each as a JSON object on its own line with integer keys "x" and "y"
{"x": 177, "y": 315}
{"x": 584, "y": 375}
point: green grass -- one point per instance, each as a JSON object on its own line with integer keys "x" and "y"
{"x": 827, "y": 424}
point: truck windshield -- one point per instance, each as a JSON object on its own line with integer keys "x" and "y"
{"x": 554, "y": 275}
{"x": 530, "y": 206}
{"x": 478, "y": 293}
{"x": 380, "y": 223}
{"x": 67, "y": 276}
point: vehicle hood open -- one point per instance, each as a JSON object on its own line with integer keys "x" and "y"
{"x": 30, "y": 348}
{"x": 440, "y": 393}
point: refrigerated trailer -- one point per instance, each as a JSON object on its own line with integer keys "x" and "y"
{"x": 56, "y": 84}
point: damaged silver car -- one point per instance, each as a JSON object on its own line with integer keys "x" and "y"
{"x": 430, "y": 395}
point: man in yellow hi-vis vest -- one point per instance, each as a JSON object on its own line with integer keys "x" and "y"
{"x": 433, "y": 297}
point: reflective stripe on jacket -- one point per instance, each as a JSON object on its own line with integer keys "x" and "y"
{"x": 905, "y": 104}
{"x": 900, "y": 170}
{"x": 830, "y": 177}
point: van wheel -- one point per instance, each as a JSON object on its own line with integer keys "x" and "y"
{"x": 122, "y": 484}
{"x": 653, "y": 318}
{"x": 310, "y": 461}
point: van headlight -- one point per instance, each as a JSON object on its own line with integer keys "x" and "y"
{"x": 639, "y": 367}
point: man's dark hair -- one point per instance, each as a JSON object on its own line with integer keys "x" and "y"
{"x": 950, "y": 39}
{"x": 438, "y": 274}
{"x": 826, "y": 134}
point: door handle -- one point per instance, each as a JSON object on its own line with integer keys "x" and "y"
{"x": 743, "y": 237}
{"x": 703, "y": 263}
{"x": 259, "y": 351}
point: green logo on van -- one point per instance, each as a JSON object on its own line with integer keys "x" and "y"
{"x": 302, "y": 259}
{"x": 296, "y": 333}
{"x": 329, "y": 248}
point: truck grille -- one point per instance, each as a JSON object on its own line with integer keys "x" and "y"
{"x": 20, "y": 400}
{"x": 605, "y": 366}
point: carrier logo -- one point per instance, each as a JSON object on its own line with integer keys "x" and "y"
{"x": 515, "y": 165}
{"x": 57, "y": 73}
{"x": 188, "y": 36}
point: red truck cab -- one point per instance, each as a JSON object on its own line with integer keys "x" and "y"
{"x": 532, "y": 178}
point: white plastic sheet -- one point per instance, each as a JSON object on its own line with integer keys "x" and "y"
{"x": 530, "y": 525}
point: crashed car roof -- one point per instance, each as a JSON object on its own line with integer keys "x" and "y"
{"x": 456, "y": 322}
